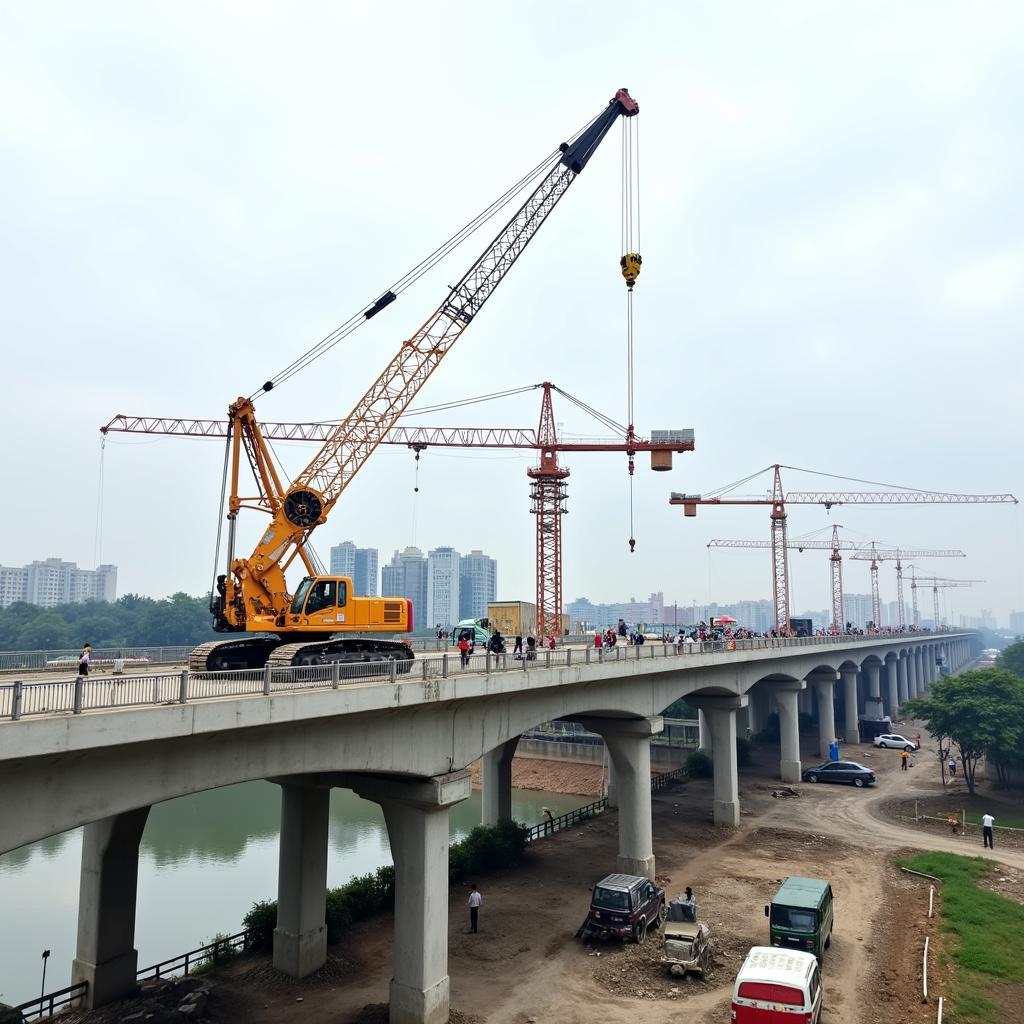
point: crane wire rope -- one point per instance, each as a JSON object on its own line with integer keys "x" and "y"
{"x": 630, "y": 239}
{"x": 412, "y": 275}
{"x": 220, "y": 513}
{"x": 97, "y": 540}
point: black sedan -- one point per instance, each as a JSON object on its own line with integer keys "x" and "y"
{"x": 841, "y": 771}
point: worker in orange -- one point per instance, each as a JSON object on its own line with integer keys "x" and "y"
{"x": 904, "y": 758}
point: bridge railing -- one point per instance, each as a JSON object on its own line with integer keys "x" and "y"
{"x": 47, "y": 1005}
{"x": 21, "y": 698}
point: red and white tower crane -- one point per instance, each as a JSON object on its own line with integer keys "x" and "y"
{"x": 875, "y": 555}
{"x": 937, "y": 583}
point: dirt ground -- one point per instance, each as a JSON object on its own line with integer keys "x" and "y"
{"x": 525, "y": 965}
{"x": 551, "y": 776}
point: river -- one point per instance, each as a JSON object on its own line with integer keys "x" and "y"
{"x": 205, "y": 859}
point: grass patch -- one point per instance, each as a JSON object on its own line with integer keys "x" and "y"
{"x": 1006, "y": 820}
{"x": 989, "y": 927}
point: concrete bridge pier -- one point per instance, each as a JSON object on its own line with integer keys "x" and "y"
{"x": 901, "y": 676}
{"x": 105, "y": 956}
{"x": 825, "y": 689}
{"x": 496, "y": 783}
{"x": 703, "y": 732}
{"x": 300, "y": 938}
{"x": 896, "y": 694}
{"x": 629, "y": 752}
{"x": 873, "y": 669}
{"x": 416, "y": 814}
{"x": 913, "y": 678}
{"x": 851, "y": 733}
{"x": 787, "y": 693}
{"x": 721, "y": 715}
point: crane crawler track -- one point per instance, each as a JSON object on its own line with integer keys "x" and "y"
{"x": 244, "y": 653}
{"x": 348, "y": 650}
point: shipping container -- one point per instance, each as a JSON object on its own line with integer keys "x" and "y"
{"x": 513, "y": 618}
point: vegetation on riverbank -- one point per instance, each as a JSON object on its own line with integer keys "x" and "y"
{"x": 989, "y": 937}
{"x": 486, "y": 849}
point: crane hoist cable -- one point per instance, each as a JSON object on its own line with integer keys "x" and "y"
{"x": 630, "y": 263}
{"x": 371, "y": 309}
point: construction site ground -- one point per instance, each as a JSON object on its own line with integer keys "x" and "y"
{"x": 526, "y": 966}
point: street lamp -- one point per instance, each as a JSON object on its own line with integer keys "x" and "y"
{"x": 42, "y": 987}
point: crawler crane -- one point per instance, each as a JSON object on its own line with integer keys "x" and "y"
{"x": 308, "y": 625}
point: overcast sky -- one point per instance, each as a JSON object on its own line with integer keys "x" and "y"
{"x": 833, "y": 277}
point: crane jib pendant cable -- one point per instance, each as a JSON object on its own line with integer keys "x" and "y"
{"x": 630, "y": 263}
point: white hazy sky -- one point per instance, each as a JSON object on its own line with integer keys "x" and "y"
{"x": 832, "y": 233}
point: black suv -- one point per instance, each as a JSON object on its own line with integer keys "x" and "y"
{"x": 624, "y": 905}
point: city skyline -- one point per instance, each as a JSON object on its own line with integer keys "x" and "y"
{"x": 49, "y": 582}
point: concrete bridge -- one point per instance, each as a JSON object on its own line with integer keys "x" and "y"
{"x": 99, "y": 754}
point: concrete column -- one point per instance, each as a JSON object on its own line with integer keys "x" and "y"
{"x": 851, "y": 732}
{"x": 721, "y": 713}
{"x": 805, "y": 702}
{"x": 416, "y": 813}
{"x": 300, "y": 938}
{"x": 789, "y": 729}
{"x": 913, "y": 689}
{"x": 901, "y": 676}
{"x": 629, "y": 749}
{"x": 704, "y": 733}
{"x": 613, "y": 788}
{"x": 824, "y": 687}
{"x": 872, "y": 669}
{"x": 897, "y": 684}
{"x": 496, "y": 783}
{"x": 106, "y": 956}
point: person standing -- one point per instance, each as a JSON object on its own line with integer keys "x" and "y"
{"x": 475, "y": 899}
{"x": 83, "y": 660}
{"x": 904, "y": 758}
{"x": 987, "y": 822}
{"x": 517, "y": 651}
{"x": 464, "y": 650}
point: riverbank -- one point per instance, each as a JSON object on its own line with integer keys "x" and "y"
{"x": 563, "y": 777}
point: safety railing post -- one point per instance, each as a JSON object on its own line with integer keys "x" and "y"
{"x": 336, "y": 674}
{"x": 444, "y": 665}
{"x": 522, "y": 664}
{"x": 586, "y": 656}
{"x": 568, "y": 656}
{"x": 487, "y": 663}
{"x": 16, "y": 704}
{"x": 547, "y": 659}
{"x": 600, "y": 655}
{"x": 77, "y": 708}
{"x": 392, "y": 671}
{"x": 266, "y": 680}
{"x": 156, "y": 689}
{"x": 183, "y": 686}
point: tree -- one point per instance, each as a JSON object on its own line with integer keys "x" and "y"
{"x": 1012, "y": 659}
{"x": 982, "y": 713}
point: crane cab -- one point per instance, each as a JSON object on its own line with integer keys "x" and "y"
{"x": 327, "y": 604}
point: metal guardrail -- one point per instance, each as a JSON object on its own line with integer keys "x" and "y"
{"x": 184, "y": 962}
{"x": 46, "y": 1005}
{"x": 552, "y": 825}
{"x": 42, "y": 661}
{"x": 21, "y": 699}
{"x": 659, "y": 782}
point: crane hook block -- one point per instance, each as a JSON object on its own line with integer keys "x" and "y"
{"x": 632, "y": 545}
{"x": 630, "y": 264}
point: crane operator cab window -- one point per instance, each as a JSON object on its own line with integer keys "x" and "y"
{"x": 318, "y": 596}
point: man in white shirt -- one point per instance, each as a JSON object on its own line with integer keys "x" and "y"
{"x": 475, "y": 899}
{"x": 986, "y": 830}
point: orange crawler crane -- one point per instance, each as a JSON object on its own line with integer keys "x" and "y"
{"x": 308, "y": 625}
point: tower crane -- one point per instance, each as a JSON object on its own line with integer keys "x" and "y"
{"x": 937, "y": 583}
{"x": 877, "y": 556}
{"x": 547, "y": 479}
{"x": 835, "y": 546}
{"x": 779, "y": 499}
{"x": 308, "y": 626}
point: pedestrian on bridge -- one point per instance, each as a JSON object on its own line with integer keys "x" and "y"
{"x": 83, "y": 660}
{"x": 475, "y": 899}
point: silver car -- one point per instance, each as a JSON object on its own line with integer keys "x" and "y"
{"x": 896, "y": 741}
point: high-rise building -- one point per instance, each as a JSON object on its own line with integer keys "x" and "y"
{"x": 478, "y": 584}
{"x": 365, "y": 577}
{"x": 343, "y": 559}
{"x": 358, "y": 564}
{"x": 52, "y": 582}
{"x": 443, "y": 569}
{"x": 858, "y": 609}
{"x": 406, "y": 576}
{"x": 1017, "y": 622}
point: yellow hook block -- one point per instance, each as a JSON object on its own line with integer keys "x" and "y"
{"x": 630, "y": 264}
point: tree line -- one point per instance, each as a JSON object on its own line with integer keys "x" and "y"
{"x": 981, "y": 715}
{"x": 130, "y": 621}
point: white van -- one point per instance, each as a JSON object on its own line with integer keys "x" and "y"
{"x": 777, "y": 986}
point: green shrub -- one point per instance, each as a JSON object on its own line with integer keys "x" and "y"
{"x": 487, "y": 848}
{"x": 220, "y": 952}
{"x": 260, "y": 922}
{"x": 699, "y": 765}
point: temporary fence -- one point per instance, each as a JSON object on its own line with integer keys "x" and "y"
{"x": 21, "y": 698}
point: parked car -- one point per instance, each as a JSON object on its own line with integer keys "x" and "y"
{"x": 626, "y": 906}
{"x": 778, "y": 985}
{"x": 840, "y": 771}
{"x": 895, "y": 740}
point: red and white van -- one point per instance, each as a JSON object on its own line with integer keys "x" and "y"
{"x": 777, "y": 986}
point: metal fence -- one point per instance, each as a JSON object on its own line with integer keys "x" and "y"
{"x": 47, "y": 1005}
{"x": 552, "y": 825}
{"x": 21, "y": 698}
{"x": 133, "y": 657}
{"x": 184, "y": 962}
